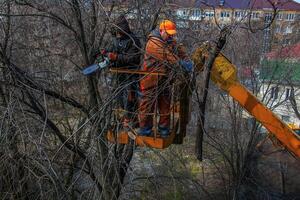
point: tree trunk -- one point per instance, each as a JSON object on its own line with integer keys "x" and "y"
{"x": 207, "y": 70}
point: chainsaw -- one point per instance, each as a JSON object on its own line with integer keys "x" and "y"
{"x": 97, "y": 66}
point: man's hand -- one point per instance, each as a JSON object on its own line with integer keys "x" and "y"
{"x": 97, "y": 54}
{"x": 187, "y": 65}
{"x": 112, "y": 56}
{"x": 103, "y": 52}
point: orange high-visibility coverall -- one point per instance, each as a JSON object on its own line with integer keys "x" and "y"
{"x": 155, "y": 90}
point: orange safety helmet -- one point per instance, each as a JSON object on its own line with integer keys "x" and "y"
{"x": 168, "y": 26}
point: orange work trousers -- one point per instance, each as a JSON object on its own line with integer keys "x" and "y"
{"x": 150, "y": 101}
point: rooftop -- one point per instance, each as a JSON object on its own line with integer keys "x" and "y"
{"x": 288, "y": 52}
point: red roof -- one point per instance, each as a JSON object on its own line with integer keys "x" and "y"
{"x": 292, "y": 52}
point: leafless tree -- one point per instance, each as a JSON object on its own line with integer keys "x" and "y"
{"x": 54, "y": 120}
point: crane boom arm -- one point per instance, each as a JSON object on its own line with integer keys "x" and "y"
{"x": 224, "y": 75}
{"x": 266, "y": 117}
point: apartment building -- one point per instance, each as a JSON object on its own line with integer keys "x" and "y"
{"x": 285, "y": 15}
{"x": 200, "y": 14}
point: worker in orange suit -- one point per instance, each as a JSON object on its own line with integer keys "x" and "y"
{"x": 160, "y": 56}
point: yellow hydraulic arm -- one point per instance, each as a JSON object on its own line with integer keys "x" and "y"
{"x": 224, "y": 74}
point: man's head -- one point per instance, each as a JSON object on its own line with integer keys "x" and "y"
{"x": 167, "y": 29}
{"x": 121, "y": 26}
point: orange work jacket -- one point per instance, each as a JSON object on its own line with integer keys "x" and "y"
{"x": 158, "y": 57}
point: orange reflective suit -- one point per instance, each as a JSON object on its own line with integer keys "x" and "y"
{"x": 156, "y": 90}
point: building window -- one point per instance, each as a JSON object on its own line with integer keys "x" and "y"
{"x": 278, "y": 29}
{"x": 209, "y": 14}
{"x": 255, "y": 15}
{"x": 240, "y": 14}
{"x": 290, "y": 17}
{"x": 182, "y": 24}
{"x": 225, "y": 14}
{"x": 196, "y": 26}
{"x": 279, "y": 16}
{"x": 274, "y": 92}
{"x": 268, "y": 16}
{"x": 182, "y": 13}
{"x": 288, "y": 30}
{"x": 192, "y": 13}
{"x": 197, "y": 13}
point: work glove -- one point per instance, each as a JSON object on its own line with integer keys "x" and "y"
{"x": 112, "y": 56}
{"x": 187, "y": 65}
{"x": 103, "y": 52}
{"x": 98, "y": 55}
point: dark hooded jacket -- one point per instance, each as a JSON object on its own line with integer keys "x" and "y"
{"x": 128, "y": 50}
{"x": 127, "y": 47}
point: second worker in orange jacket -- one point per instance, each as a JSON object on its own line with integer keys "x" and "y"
{"x": 160, "y": 56}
